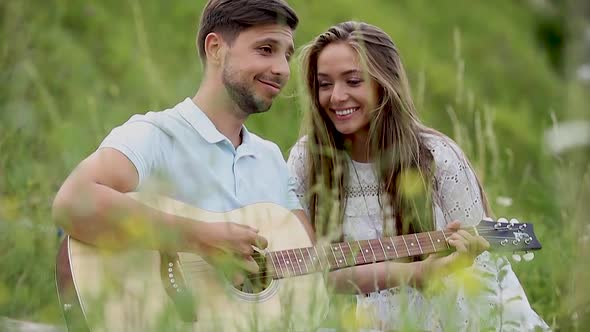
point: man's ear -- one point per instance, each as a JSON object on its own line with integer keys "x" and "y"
{"x": 214, "y": 46}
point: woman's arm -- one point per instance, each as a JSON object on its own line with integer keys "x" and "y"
{"x": 372, "y": 277}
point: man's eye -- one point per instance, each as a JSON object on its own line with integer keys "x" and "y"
{"x": 266, "y": 49}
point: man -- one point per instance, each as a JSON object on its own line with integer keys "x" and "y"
{"x": 199, "y": 148}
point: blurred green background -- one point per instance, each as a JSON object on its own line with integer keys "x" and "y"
{"x": 494, "y": 75}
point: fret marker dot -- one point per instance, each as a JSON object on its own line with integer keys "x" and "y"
{"x": 299, "y": 261}
{"x": 340, "y": 261}
{"x": 287, "y": 262}
{"x": 388, "y": 248}
{"x": 335, "y": 248}
{"x": 412, "y": 243}
{"x": 366, "y": 250}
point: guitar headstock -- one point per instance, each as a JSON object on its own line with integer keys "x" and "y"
{"x": 504, "y": 235}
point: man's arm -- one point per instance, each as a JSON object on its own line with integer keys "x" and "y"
{"x": 92, "y": 207}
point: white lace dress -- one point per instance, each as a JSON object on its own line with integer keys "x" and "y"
{"x": 503, "y": 306}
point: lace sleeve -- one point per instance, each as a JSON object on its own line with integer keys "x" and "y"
{"x": 296, "y": 164}
{"x": 457, "y": 195}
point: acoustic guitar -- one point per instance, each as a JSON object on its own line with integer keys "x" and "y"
{"x": 146, "y": 290}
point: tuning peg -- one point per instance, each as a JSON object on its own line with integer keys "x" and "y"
{"x": 516, "y": 258}
{"x": 514, "y": 221}
{"x": 503, "y": 220}
{"x": 528, "y": 256}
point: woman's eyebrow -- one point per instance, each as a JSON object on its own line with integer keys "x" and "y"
{"x": 345, "y": 73}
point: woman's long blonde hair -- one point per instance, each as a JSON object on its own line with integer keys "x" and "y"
{"x": 396, "y": 141}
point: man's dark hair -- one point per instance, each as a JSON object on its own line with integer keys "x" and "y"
{"x": 230, "y": 17}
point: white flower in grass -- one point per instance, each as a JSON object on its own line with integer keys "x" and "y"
{"x": 569, "y": 135}
{"x": 504, "y": 201}
{"x": 583, "y": 72}
{"x": 586, "y": 235}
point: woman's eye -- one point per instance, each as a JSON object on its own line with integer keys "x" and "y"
{"x": 354, "y": 82}
{"x": 324, "y": 84}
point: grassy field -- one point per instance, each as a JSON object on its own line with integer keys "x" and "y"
{"x": 480, "y": 72}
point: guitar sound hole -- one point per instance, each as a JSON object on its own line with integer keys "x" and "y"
{"x": 256, "y": 282}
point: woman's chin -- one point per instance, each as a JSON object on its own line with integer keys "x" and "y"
{"x": 345, "y": 130}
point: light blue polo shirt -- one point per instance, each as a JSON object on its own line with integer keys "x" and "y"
{"x": 178, "y": 152}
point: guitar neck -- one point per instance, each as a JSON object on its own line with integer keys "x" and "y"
{"x": 300, "y": 261}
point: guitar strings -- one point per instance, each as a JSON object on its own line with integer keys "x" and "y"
{"x": 426, "y": 241}
{"x": 294, "y": 266}
{"x": 292, "y": 271}
{"x": 280, "y": 260}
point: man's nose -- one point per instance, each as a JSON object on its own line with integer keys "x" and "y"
{"x": 281, "y": 67}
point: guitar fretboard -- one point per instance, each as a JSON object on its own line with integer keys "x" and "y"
{"x": 300, "y": 261}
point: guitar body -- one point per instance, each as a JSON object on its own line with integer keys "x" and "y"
{"x": 143, "y": 290}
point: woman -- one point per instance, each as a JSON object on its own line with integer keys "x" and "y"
{"x": 366, "y": 162}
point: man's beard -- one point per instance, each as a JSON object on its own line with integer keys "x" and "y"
{"x": 242, "y": 93}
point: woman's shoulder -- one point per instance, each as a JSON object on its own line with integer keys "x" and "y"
{"x": 445, "y": 151}
{"x": 435, "y": 139}
{"x": 301, "y": 141}
{"x": 297, "y": 154}
{"x": 299, "y": 148}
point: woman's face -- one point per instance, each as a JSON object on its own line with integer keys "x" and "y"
{"x": 346, "y": 93}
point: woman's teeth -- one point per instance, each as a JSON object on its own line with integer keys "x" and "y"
{"x": 346, "y": 111}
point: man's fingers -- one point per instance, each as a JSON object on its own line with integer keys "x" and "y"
{"x": 238, "y": 279}
{"x": 217, "y": 253}
{"x": 249, "y": 264}
{"x": 250, "y": 228}
{"x": 260, "y": 242}
{"x": 246, "y": 250}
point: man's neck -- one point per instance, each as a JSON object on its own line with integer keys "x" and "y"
{"x": 222, "y": 112}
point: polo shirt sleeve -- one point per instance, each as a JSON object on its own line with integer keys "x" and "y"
{"x": 142, "y": 142}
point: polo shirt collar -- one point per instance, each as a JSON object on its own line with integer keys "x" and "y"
{"x": 248, "y": 147}
{"x": 203, "y": 125}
